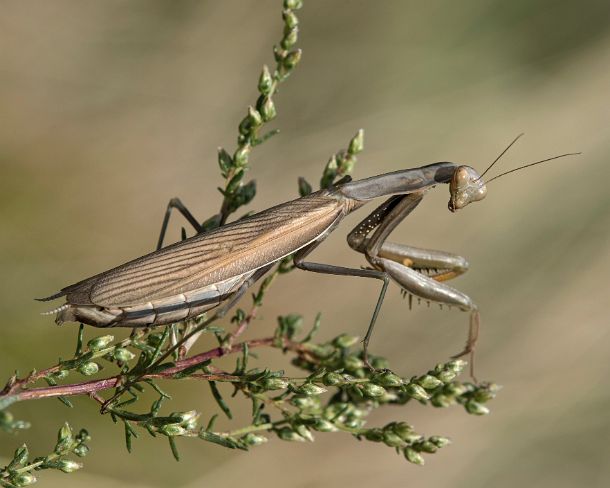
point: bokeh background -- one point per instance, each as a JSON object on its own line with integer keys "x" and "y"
{"x": 111, "y": 108}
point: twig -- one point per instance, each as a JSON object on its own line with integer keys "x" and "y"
{"x": 91, "y": 387}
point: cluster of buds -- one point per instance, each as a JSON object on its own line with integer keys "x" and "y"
{"x": 401, "y": 436}
{"x": 233, "y": 167}
{"x": 179, "y": 423}
{"x": 342, "y": 163}
{"x": 19, "y": 471}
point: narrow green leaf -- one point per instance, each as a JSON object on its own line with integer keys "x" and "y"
{"x": 220, "y": 440}
{"x": 314, "y": 329}
{"x": 128, "y": 435}
{"x": 218, "y": 397}
{"x": 174, "y": 448}
{"x": 157, "y": 351}
{"x": 211, "y": 423}
{"x": 65, "y": 401}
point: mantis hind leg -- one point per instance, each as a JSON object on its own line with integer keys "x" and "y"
{"x": 176, "y": 203}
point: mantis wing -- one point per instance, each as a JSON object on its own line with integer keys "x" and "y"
{"x": 227, "y": 252}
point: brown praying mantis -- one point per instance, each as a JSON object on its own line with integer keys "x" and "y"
{"x": 186, "y": 279}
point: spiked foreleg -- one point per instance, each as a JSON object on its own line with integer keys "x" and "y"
{"x": 405, "y": 263}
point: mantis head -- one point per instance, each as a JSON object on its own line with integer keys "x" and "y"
{"x": 466, "y": 186}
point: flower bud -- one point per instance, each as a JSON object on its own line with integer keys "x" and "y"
{"x": 123, "y": 355}
{"x": 255, "y": 118}
{"x": 378, "y": 362}
{"x": 21, "y": 455}
{"x": 292, "y": 58}
{"x": 323, "y": 351}
{"x": 442, "y": 401}
{"x": 323, "y": 425}
{"x": 429, "y": 382}
{"x": 353, "y": 363}
{"x": 439, "y": 441}
{"x": 387, "y": 379}
{"x": 486, "y": 393}
{"x": 457, "y": 365}
{"x": 83, "y": 436}
{"x": 446, "y": 376}
{"x": 375, "y": 435}
{"x": 240, "y": 157}
{"x": 290, "y": 19}
{"x": 428, "y": 447}
{"x": 304, "y": 432}
{"x": 61, "y": 374}
{"x": 305, "y": 402}
{"x": 333, "y": 379}
{"x": 353, "y": 423}
{"x": 417, "y": 392}
{"x": 267, "y": 109}
{"x": 402, "y": 429}
{"x": 293, "y": 4}
{"x": 68, "y": 466}
{"x": 185, "y": 417}
{"x": 476, "y": 408}
{"x": 252, "y": 439}
{"x": 288, "y": 434}
{"x": 345, "y": 341}
{"x": 89, "y": 368}
{"x": 23, "y": 479}
{"x": 265, "y": 81}
{"x": 456, "y": 389}
{"x": 275, "y": 383}
{"x": 412, "y": 438}
{"x": 311, "y": 389}
{"x": 372, "y": 390}
{"x": 64, "y": 439}
{"x": 6, "y": 417}
{"x": 391, "y": 439}
{"x": 100, "y": 342}
{"x": 413, "y": 456}
{"x": 81, "y": 450}
{"x": 290, "y": 37}
{"x": 356, "y": 145}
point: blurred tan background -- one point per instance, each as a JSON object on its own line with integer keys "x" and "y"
{"x": 111, "y": 108}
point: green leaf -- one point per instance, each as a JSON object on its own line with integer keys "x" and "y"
{"x": 218, "y": 397}
{"x": 174, "y": 448}
{"x": 304, "y": 187}
{"x": 224, "y": 441}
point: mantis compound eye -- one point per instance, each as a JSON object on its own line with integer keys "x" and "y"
{"x": 465, "y": 187}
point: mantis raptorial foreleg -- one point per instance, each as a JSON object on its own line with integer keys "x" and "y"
{"x": 418, "y": 271}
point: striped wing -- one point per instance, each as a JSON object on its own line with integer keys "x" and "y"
{"x": 226, "y": 252}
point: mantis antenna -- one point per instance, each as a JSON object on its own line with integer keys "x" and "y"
{"x": 501, "y": 154}
{"x": 532, "y": 164}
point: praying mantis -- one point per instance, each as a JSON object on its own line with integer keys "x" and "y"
{"x": 214, "y": 268}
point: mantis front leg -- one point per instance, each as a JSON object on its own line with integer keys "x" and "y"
{"x": 418, "y": 271}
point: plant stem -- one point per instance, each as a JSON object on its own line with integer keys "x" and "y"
{"x": 89, "y": 387}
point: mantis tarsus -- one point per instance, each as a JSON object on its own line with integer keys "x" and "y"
{"x": 187, "y": 278}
